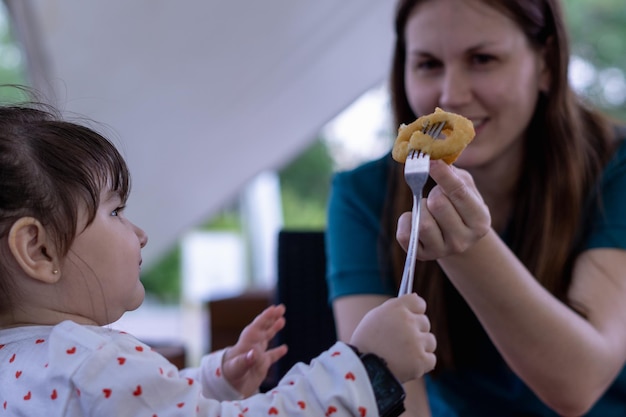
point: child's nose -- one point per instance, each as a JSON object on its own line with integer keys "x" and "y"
{"x": 143, "y": 237}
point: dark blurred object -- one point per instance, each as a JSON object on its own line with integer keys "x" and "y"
{"x": 301, "y": 287}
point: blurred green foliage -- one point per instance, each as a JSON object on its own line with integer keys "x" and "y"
{"x": 12, "y": 69}
{"x": 305, "y": 184}
{"x": 163, "y": 279}
{"x": 598, "y": 30}
{"x": 598, "y": 35}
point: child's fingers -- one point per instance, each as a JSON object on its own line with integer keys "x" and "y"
{"x": 265, "y": 325}
{"x": 413, "y": 302}
{"x": 276, "y": 353}
{"x": 276, "y": 327}
{"x": 249, "y": 359}
{"x": 274, "y": 311}
{"x": 237, "y": 367}
{"x": 267, "y": 317}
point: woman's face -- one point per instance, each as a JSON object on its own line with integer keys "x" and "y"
{"x": 471, "y": 59}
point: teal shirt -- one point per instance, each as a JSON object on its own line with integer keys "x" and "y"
{"x": 490, "y": 389}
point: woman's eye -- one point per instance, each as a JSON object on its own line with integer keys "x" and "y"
{"x": 482, "y": 59}
{"x": 426, "y": 65}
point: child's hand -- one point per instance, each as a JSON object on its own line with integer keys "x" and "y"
{"x": 246, "y": 364}
{"x": 399, "y": 331}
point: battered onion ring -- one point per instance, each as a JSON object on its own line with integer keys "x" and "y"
{"x": 458, "y": 132}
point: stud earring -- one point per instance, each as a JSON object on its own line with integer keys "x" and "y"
{"x": 55, "y": 271}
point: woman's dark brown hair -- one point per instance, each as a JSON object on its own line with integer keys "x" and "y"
{"x": 567, "y": 145}
{"x": 49, "y": 170}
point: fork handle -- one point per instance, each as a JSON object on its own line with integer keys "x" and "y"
{"x": 406, "y": 285}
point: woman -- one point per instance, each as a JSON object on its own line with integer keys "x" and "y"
{"x": 521, "y": 243}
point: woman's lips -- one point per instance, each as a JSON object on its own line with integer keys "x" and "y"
{"x": 478, "y": 124}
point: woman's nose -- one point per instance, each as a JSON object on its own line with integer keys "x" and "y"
{"x": 456, "y": 89}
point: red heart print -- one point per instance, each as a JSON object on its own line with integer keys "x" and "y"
{"x": 350, "y": 375}
{"x": 139, "y": 348}
{"x": 12, "y": 358}
{"x": 121, "y": 360}
{"x": 362, "y": 411}
{"x": 218, "y": 372}
{"x": 273, "y": 411}
{"x": 71, "y": 351}
{"x": 18, "y": 374}
{"x": 331, "y": 410}
{"x": 336, "y": 353}
{"x": 137, "y": 391}
{"x": 5, "y": 403}
{"x": 180, "y": 405}
{"x": 107, "y": 392}
{"x": 302, "y": 405}
{"x": 27, "y": 396}
{"x": 190, "y": 381}
{"x": 39, "y": 341}
{"x": 54, "y": 394}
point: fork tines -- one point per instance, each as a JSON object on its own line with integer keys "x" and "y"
{"x": 434, "y": 130}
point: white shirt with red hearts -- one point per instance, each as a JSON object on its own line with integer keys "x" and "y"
{"x": 74, "y": 370}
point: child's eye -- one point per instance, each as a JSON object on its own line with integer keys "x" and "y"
{"x": 117, "y": 211}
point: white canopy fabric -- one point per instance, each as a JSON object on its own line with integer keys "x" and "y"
{"x": 202, "y": 95}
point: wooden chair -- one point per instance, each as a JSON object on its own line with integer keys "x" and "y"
{"x": 229, "y": 316}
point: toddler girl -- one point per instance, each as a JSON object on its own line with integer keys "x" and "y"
{"x": 70, "y": 265}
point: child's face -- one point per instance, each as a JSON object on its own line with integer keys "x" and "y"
{"x": 103, "y": 264}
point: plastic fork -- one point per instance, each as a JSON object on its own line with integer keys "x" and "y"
{"x": 416, "y": 169}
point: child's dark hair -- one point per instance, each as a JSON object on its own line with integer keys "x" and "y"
{"x": 49, "y": 170}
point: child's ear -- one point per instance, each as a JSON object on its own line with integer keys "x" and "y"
{"x": 33, "y": 250}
